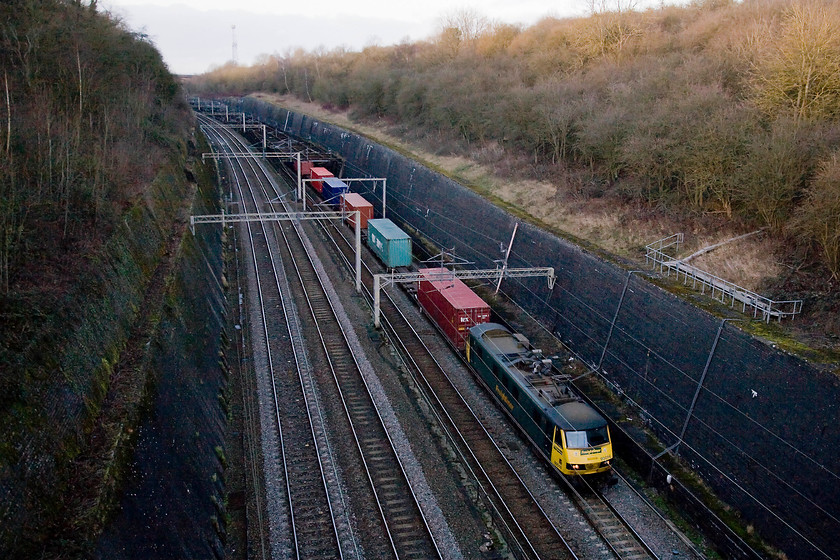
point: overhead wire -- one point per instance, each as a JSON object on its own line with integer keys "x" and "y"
{"x": 460, "y": 225}
{"x": 716, "y": 468}
{"x": 411, "y": 205}
{"x": 651, "y": 351}
{"x": 695, "y": 451}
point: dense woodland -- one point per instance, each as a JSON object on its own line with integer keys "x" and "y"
{"x": 715, "y": 107}
{"x": 86, "y": 107}
{"x": 89, "y": 115}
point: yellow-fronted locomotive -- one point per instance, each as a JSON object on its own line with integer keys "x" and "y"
{"x": 571, "y": 434}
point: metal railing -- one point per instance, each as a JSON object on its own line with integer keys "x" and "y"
{"x": 720, "y": 289}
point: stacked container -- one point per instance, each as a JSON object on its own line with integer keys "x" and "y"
{"x": 391, "y": 244}
{"x": 451, "y": 304}
{"x": 350, "y": 202}
{"x": 318, "y": 173}
{"x": 333, "y": 189}
{"x": 305, "y": 168}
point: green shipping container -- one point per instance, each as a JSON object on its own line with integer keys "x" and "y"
{"x": 391, "y": 244}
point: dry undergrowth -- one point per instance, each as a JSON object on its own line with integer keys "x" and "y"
{"x": 623, "y": 230}
{"x": 748, "y": 262}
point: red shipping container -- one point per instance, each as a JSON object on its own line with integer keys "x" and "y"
{"x": 305, "y": 168}
{"x": 318, "y": 173}
{"x": 451, "y": 304}
{"x": 350, "y": 202}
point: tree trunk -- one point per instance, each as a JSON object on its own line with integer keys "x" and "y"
{"x": 8, "y": 115}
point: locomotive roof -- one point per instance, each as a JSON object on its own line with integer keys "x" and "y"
{"x": 576, "y": 416}
{"x": 561, "y": 405}
{"x": 499, "y": 340}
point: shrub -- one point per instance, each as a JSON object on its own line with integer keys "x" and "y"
{"x": 818, "y": 219}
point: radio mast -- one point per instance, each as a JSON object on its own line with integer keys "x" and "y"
{"x": 234, "y": 53}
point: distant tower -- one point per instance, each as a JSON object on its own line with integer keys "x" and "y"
{"x": 234, "y": 48}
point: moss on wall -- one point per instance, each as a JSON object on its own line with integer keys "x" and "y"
{"x": 82, "y": 380}
{"x": 176, "y": 476}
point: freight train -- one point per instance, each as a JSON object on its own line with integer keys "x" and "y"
{"x": 569, "y": 432}
{"x": 572, "y": 435}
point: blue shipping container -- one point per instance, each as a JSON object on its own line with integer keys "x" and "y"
{"x": 333, "y": 189}
{"x": 391, "y": 244}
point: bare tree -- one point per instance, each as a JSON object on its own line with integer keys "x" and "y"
{"x": 798, "y": 68}
{"x": 615, "y": 6}
{"x": 463, "y": 27}
{"x": 819, "y": 216}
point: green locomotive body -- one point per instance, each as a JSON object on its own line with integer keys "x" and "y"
{"x": 569, "y": 432}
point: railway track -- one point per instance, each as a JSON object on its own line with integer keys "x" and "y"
{"x": 619, "y": 535}
{"x": 402, "y": 518}
{"x": 254, "y": 515}
{"x": 302, "y": 453}
{"x": 528, "y": 530}
{"x": 515, "y": 505}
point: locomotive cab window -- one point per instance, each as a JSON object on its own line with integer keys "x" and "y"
{"x": 587, "y": 438}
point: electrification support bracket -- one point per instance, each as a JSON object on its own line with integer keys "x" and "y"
{"x": 289, "y": 216}
{"x": 381, "y": 281}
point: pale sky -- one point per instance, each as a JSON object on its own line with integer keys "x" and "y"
{"x": 194, "y": 35}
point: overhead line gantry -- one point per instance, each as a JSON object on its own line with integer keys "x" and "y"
{"x": 288, "y": 217}
{"x": 381, "y": 281}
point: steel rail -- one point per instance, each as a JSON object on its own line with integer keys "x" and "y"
{"x": 270, "y": 361}
{"x": 257, "y": 488}
{"x": 407, "y": 533}
{"x": 312, "y": 544}
{"x": 499, "y": 500}
{"x": 251, "y": 419}
{"x": 623, "y": 540}
{"x": 355, "y": 418}
{"x": 657, "y": 513}
{"x": 624, "y": 544}
{"x": 617, "y": 550}
{"x": 308, "y": 500}
{"x": 306, "y": 381}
